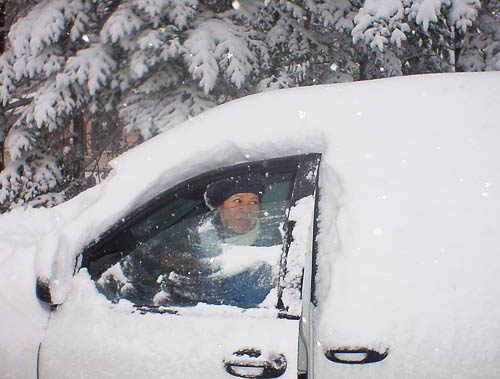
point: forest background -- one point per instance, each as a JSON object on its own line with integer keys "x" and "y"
{"x": 84, "y": 80}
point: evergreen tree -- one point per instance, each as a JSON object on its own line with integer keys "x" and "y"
{"x": 147, "y": 65}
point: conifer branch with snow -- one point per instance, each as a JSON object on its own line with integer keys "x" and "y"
{"x": 147, "y": 65}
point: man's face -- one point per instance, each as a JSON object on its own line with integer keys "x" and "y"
{"x": 239, "y": 212}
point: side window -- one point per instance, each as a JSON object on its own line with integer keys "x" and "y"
{"x": 175, "y": 251}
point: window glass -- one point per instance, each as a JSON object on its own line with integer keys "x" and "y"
{"x": 175, "y": 252}
{"x": 202, "y": 259}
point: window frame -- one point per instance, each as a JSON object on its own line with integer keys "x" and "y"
{"x": 301, "y": 187}
{"x": 305, "y": 185}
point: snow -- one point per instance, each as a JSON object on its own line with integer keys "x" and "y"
{"x": 235, "y": 259}
{"x": 181, "y": 11}
{"x": 408, "y": 247}
{"x": 155, "y": 347}
{"x": 413, "y": 208}
{"x": 44, "y": 109}
{"x": 23, "y": 318}
{"x": 215, "y": 41}
{"x": 91, "y": 66}
{"x": 427, "y": 11}
{"x": 42, "y": 26}
{"x": 121, "y": 24}
{"x": 116, "y": 273}
{"x": 6, "y": 76}
{"x": 463, "y": 13}
{"x": 378, "y": 20}
{"x": 297, "y": 252}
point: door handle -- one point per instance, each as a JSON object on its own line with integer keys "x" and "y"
{"x": 355, "y": 356}
{"x": 251, "y": 363}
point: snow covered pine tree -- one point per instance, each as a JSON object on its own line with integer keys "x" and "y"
{"x": 147, "y": 65}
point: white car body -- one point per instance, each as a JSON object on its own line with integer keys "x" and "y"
{"x": 400, "y": 268}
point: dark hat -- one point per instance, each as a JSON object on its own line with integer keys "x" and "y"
{"x": 217, "y": 192}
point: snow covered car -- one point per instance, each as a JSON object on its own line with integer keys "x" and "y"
{"x": 386, "y": 195}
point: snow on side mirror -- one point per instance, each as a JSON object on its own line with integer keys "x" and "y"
{"x": 43, "y": 292}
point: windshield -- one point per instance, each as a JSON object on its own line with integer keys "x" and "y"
{"x": 226, "y": 257}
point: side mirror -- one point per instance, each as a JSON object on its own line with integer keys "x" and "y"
{"x": 43, "y": 291}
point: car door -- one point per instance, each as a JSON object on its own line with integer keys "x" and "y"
{"x": 146, "y": 303}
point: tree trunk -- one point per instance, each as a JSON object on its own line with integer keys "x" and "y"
{"x": 78, "y": 146}
{"x": 3, "y": 136}
{"x": 458, "y": 41}
{"x": 3, "y": 32}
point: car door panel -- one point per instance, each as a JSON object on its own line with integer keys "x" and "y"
{"x": 90, "y": 336}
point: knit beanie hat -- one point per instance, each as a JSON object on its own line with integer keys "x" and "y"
{"x": 217, "y": 192}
